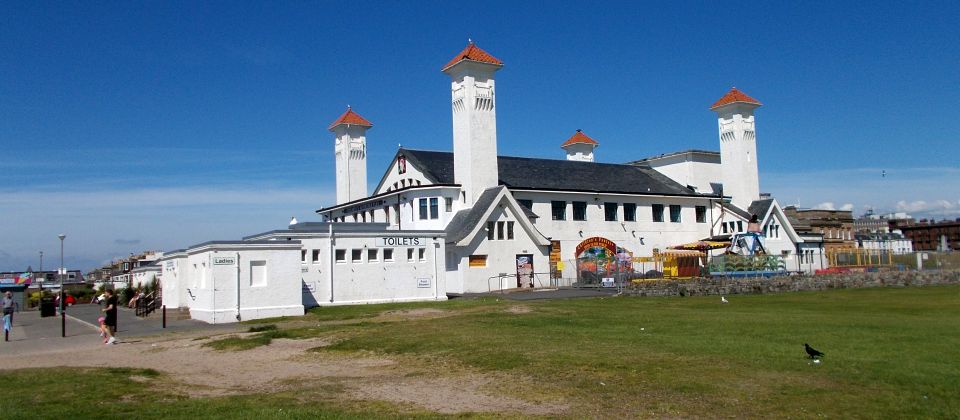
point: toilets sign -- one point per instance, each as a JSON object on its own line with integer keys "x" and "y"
{"x": 400, "y": 241}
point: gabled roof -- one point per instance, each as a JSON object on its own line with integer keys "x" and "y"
{"x": 732, "y": 96}
{"x": 466, "y": 224}
{"x": 579, "y": 137}
{"x": 351, "y": 118}
{"x": 519, "y": 173}
{"x": 760, "y": 207}
{"x": 473, "y": 53}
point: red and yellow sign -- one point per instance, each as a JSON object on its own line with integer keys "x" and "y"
{"x": 596, "y": 242}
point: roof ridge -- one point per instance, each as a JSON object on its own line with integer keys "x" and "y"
{"x": 350, "y": 117}
{"x": 472, "y": 53}
{"x": 734, "y": 96}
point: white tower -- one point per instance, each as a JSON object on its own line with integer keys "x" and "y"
{"x": 738, "y": 147}
{"x": 351, "y": 155}
{"x": 580, "y": 147}
{"x": 474, "y": 121}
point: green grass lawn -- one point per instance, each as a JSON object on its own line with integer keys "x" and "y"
{"x": 890, "y": 353}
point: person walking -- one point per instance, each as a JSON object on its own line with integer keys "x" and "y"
{"x": 110, "y": 318}
{"x": 8, "y": 307}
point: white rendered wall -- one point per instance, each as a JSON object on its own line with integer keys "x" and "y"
{"x": 625, "y": 234}
{"x": 216, "y": 294}
{"x": 173, "y": 280}
{"x": 501, "y": 258}
{"x": 738, "y": 153}
{"x": 394, "y": 180}
{"x": 473, "y": 105}
{"x": 689, "y": 172}
{"x": 581, "y": 152}
{"x": 351, "y": 162}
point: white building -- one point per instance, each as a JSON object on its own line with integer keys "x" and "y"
{"x": 894, "y": 242}
{"x": 465, "y": 221}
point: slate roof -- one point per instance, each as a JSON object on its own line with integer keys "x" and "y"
{"x": 464, "y": 221}
{"x": 518, "y": 173}
{"x": 350, "y": 117}
{"x": 760, "y": 207}
{"x": 732, "y": 96}
{"x": 736, "y": 210}
{"x": 473, "y": 53}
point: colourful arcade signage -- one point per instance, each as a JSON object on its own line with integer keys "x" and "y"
{"x": 596, "y": 242}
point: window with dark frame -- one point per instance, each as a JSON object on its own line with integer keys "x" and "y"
{"x": 579, "y": 210}
{"x": 424, "y": 214}
{"x": 509, "y": 230}
{"x": 500, "y": 231}
{"x": 434, "y": 208}
{"x": 701, "y": 214}
{"x": 657, "y": 212}
{"x": 629, "y": 212}
{"x": 610, "y": 211}
{"x": 356, "y": 256}
{"x": 490, "y": 230}
{"x": 559, "y": 210}
{"x": 674, "y": 213}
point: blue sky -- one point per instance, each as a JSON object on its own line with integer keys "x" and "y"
{"x": 157, "y": 125}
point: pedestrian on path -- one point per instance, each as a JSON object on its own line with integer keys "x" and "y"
{"x": 8, "y": 307}
{"x": 110, "y": 318}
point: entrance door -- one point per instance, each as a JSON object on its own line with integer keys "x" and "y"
{"x": 525, "y": 270}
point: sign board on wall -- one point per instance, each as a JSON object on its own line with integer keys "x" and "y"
{"x": 400, "y": 241}
{"x": 423, "y": 282}
{"x": 607, "y": 282}
{"x": 224, "y": 260}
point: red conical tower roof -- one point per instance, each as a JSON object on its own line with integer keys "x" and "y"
{"x": 351, "y": 118}
{"x": 579, "y": 137}
{"x": 732, "y": 96}
{"x": 473, "y": 53}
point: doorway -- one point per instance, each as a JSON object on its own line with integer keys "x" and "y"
{"x": 524, "y": 270}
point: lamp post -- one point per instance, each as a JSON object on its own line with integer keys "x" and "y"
{"x": 63, "y": 315}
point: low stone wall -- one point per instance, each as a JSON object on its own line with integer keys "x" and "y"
{"x": 740, "y": 286}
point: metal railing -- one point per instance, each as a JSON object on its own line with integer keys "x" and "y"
{"x": 538, "y": 281}
{"x": 149, "y": 303}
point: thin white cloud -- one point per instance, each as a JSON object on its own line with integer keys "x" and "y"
{"x": 847, "y": 207}
{"x": 825, "y": 206}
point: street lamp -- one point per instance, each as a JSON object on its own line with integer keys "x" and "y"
{"x": 63, "y": 315}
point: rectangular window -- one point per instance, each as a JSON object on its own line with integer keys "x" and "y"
{"x": 701, "y": 214}
{"x": 434, "y": 208}
{"x": 579, "y": 210}
{"x": 509, "y": 230}
{"x": 316, "y": 256}
{"x": 388, "y": 254}
{"x": 424, "y": 214}
{"x": 526, "y": 203}
{"x": 559, "y": 212}
{"x": 610, "y": 211}
{"x": 499, "y": 231}
{"x": 478, "y": 260}
{"x": 409, "y": 254}
{"x": 386, "y": 214}
{"x": 448, "y": 204}
{"x": 723, "y": 227}
{"x": 341, "y": 255}
{"x": 258, "y": 273}
{"x": 356, "y": 256}
{"x": 396, "y": 214}
{"x": 629, "y": 212}
{"x": 739, "y": 226}
{"x": 674, "y": 213}
{"x": 303, "y": 256}
{"x": 490, "y": 232}
{"x": 373, "y": 255}
{"x": 657, "y": 212}
{"x": 422, "y": 254}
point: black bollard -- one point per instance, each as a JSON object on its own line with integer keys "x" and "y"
{"x": 164, "y": 316}
{"x": 63, "y": 322}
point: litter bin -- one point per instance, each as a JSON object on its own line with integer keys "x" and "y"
{"x": 47, "y": 308}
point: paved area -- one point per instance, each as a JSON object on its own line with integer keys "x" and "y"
{"x": 33, "y": 334}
